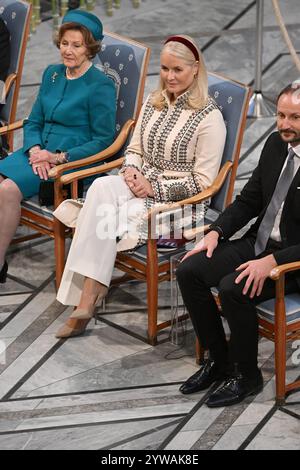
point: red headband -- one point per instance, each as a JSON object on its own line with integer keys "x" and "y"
{"x": 186, "y": 42}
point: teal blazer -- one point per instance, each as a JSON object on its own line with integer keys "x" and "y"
{"x": 77, "y": 116}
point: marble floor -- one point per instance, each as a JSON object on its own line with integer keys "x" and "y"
{"x": 108, "y": 389}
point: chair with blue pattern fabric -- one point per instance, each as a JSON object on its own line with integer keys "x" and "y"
{"x": 16, "y": 15}
{"x": 125, "y": 61}
{"x": 147, "y": 263}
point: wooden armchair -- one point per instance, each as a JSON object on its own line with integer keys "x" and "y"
{"x": 16, "y": 15}
{"x": 146, "y": 263}
{"x": 125, "y": 61}
{"x": 278, "y": 321}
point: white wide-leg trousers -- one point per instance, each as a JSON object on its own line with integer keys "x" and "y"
{"x": 110, "y": 212}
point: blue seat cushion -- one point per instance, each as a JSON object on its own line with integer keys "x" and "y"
{"x": 266, "y": 309}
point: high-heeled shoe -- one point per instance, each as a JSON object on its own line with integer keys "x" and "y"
{"x": 79, "y": 319}
{"x": 88, "y": 313}
{"x": 72, "y": 327}
{"x": 3, "y": 273}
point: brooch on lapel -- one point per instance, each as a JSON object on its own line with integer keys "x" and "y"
{"x": 54, "y": 76}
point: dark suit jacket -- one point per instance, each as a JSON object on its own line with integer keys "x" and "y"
{"x": 256, "y": 195}
{"x": 4, "y": 50}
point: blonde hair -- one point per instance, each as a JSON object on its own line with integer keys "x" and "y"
{"x": 198, "y": 95}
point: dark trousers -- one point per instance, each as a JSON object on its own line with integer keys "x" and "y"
{"x": 197, "y": 274}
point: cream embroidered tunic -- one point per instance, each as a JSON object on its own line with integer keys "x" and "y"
{"x": 178, "y": 150}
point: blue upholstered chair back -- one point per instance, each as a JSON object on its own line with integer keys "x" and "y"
{"x": 232, "y": 98}
{"x": 125, "y": 61}
{"x": 16, "y": 15}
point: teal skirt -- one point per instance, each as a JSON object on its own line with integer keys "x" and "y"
{"x": 17, "y": 168}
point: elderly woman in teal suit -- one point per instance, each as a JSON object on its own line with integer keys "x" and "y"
{"x": 73, "y": 117}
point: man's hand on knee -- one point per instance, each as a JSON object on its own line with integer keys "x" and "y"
{"x": 207, "y": 243}
{"x": 256, "y": 271}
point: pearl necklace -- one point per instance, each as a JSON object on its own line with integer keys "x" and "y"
{"x": 70, "y": 77}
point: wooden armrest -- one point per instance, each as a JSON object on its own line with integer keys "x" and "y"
{"x": 282, "y": 269}
{"x": 206, "y": 194}
{"x": 77, "y": 175}
{"x": 98, "y": 157}
{"x": 8, "y": 84}
{"x": 192, "y": 233}
{"x": 11, "y": 127}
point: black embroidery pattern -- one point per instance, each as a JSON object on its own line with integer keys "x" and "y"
{"x": 158, "y": 134}
{"x": 150, "y": 172}
{"x": 158, "y": 195}
{"x": 198, "y": 187}
{"x": 177, "y": 192}
{"x": 163, "y": 165}
{"x": 143, "y": 227}
{"x": 162, "y": 136}
{"x": 148, "y": 113}
{"x": 171, "y": 188}
{"x": 153, "y": 134}
{"x": 180, "y": 144}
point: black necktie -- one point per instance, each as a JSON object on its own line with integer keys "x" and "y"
{"x": 279, "y": 195}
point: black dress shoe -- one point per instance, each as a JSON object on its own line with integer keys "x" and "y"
{"x": 203, "y": 378}
{"x": 3, "y": 273}
{"x": 235, "y": 390}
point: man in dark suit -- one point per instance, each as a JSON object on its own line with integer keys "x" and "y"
{"x": 4, "y": 50}
{"x": 240, "y": 268}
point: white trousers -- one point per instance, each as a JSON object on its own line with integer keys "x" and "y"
{"x": 110, "y": 211}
